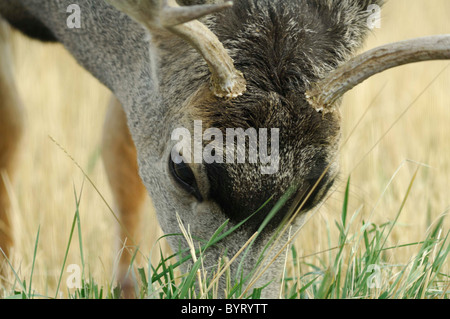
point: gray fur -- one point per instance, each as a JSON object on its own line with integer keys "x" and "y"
{"x": 280, "y": 46}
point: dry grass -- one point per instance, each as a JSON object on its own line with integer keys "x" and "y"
{"x": 66, "y": 103}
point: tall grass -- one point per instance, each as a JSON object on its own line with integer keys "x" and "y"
{"x": 69, "y": 105}
{"x": 357, "y": 267}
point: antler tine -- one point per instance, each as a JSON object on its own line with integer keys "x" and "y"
{"x": 324, "y": 94}
{"x": 177, "y": 15}
{"x": 157, "y": 15}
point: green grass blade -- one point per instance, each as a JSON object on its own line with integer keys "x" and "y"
{"x": 34, "y": 260}
{"x": 66, "y": 254}
{"x": 22, "y": 286}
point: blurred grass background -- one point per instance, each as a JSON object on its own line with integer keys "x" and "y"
{"x": 65, "y": 103}
{"x": 375, "y": 153}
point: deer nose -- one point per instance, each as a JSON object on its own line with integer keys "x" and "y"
{"x": 313, "y": 192}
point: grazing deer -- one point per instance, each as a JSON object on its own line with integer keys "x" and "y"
{"x": 254, "y": 64}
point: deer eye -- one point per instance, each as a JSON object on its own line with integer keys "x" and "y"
{"x": 184, "y": 176}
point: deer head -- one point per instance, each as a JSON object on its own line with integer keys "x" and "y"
{"x": 265, "y": 67}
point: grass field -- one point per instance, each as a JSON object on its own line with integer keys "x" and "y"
{"x": 399, "y": 150}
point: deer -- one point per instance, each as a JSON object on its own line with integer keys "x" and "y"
{"x": 245, "y": 64}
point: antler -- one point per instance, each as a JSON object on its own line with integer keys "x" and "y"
{"x": 323, "y": 95}
{"x": 157, "y": 15}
